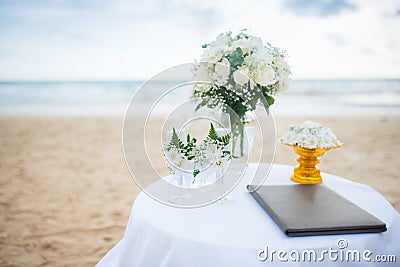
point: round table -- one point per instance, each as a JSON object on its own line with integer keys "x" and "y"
{"x": 234, "y": 232}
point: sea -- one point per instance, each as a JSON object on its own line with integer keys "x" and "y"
{"x": 92, "y": 98}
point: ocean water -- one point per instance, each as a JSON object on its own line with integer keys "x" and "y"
{"x": 305, "y": 97}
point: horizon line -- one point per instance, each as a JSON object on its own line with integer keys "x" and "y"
{"x": 144, "y": 80}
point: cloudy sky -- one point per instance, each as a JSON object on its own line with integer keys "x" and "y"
{"x": 121, "y": 39}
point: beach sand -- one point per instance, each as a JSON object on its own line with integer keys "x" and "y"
{"x": 66, "y": 194}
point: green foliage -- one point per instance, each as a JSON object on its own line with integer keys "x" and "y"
{"x": 195, "y": 173}
{"x": 185, "y": 149}
{"x": 225, "y": 139}
{"x": 236, "y": 58}
{"x": 203, "y": 103}
{"x": 212, "y": 134}
{"x": 190, "y": 150}
{"x": 220, "y": 140}
{"x": 191, "y": 142}
{"x": 176, "y": 141}
{"x": 270, "y": 99}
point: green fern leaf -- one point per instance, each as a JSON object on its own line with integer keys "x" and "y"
{"x": 212, "y": 134}
{"x": 176, "y": 141}
{"x": 225, "y": 139}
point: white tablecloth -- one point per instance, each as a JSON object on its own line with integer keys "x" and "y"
{"x": 233, "y": 232}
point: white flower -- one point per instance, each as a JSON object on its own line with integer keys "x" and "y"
{"x": 310, "y": 135}
{"x": 201, "y": 73}
{"x": 202, "y": 87}
{"x": 281, "y": 64}
{"x": 201, "y": 77}
{"x": 327, "y": 142}
{"x": 221, "y": 42}
{"x": 252, "y": 62}
{"x": 310, "y": 124}
{"x": 303, "y": 138}
{"x": 312, "y": 141}
{"x": 264, "y": 55}
{"x": 265, "y": 76}
{"x": 222, "y": 162}
{"x": 222, "y": 71}
{"x": 208, "y": 154}
{"x": 195, "y": 158}
{"x": 283, "y": 70}
{"x": 211, "y": 151}
{"x": 257, "y": 42}
{"x": 245, "y": 44}
{"x": 173, "y": 157}
{"x": 172, "y": 154}
{"x": 284, "y": 84}
{"x": 213, "y": 55}
{"x": 290, "y": 137}
{"x": 241, "y": 76}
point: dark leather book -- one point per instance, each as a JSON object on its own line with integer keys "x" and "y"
{"x": 307, "y": 210}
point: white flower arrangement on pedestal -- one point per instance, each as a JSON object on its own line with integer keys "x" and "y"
{"x": 310, "y": 135}
{"x": 190, "y": 157}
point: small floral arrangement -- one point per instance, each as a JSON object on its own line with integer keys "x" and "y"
{"x": 310, "y": 135}
{"x": 180, "y": 155}
{"x": 234, "y": 69}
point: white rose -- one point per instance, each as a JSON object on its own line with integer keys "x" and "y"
{"x": 252, "y": 60}
{"x": 264, "y": 55}
{"x": 281, "y": 64}
{"x": 222, "y": 71}
{"x": 257, "y": 42}
{"x": 283, "y": 71}
{"x": 245, "y": 44}
{"x": 202, "y": 73}
{"x": 265, "y": 75}
{"x": 202, "y": 78}
{"x": 222, "y": 41}
{"x": 241, "y": 76}
{"x": 212, "y": 55}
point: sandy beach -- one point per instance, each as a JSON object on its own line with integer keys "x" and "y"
{"x": 66, "y": 193}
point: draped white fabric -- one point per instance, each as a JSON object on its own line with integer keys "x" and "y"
{"x": 231, "y": 233}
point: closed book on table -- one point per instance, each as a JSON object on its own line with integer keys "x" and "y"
{"x": 306, "y": 210}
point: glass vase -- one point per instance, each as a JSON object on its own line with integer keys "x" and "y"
{"x": 243, "y": 136}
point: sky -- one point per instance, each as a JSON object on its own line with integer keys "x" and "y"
{"x": 134, "y": 40}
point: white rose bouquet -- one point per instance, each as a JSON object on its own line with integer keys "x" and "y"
{"x": 239, "y": 72}
{"x": 310, "y": 135}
